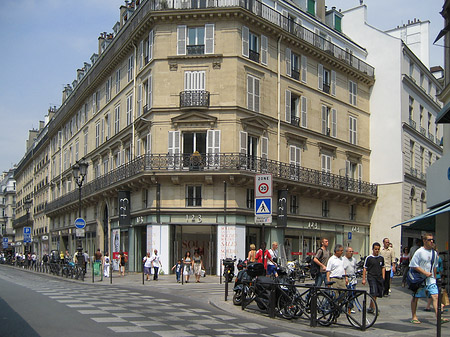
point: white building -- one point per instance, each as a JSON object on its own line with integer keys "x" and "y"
{"x": 404, "y": 136}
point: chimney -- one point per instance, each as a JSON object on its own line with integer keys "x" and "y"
{"x": 123, "y": 12}
{"x": 41, "y": 125}
{"x": 51, "y": 112}
{"x": 320, "y": 10}
{"x": 94, "y": 58}
{"x": 100, "y": 42}
{"x": 86, "y": 67}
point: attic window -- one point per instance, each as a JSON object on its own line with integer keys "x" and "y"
{"x": 337, "y": 23}
{"x": 311, "y": 7}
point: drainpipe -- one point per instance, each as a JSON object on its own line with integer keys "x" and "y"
{"x": 279, "y": 97}
{"x": 133, "y": 129}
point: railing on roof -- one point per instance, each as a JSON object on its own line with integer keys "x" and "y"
{"x": 273, "y": 16}
{"x": 217, "y": 162}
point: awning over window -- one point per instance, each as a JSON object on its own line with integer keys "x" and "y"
{"x": 426, "y": 221}
{"x": 444, "y": 114}
{"x": 442, "y": 33}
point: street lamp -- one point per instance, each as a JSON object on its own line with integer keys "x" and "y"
{"x": 79, "y": 171}
{"x": 27, "y": 204}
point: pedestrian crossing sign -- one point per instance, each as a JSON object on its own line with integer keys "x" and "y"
{"x": 263, "y": 206}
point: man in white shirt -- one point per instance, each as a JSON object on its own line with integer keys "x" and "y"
{"x": 156, "y": 262}
{"x": 336, "y": 270}
{"x": 272, "y": 263}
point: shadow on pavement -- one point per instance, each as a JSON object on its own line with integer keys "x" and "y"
{"x": 10, "y": 320}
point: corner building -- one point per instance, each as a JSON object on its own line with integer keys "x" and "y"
{"x": 186, "y": 102}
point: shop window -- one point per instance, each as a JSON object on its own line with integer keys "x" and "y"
{"x": 193, "y": 196}
{"x": 250, "y": 198}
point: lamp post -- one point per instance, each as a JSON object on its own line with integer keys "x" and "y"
{"x": 27, "y": 204}
{"x": 79, "y": 171}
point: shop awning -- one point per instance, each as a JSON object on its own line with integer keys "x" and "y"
{"x": 442, "y": 33}
{"x": 426, "y": 221}
{"x": 444, "y": 114}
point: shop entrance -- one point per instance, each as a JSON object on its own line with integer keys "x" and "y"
{"x": 191, "y": 238}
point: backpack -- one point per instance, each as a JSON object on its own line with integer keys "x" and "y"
{"x": 314, "y": 269}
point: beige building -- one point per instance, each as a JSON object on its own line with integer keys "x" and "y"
{"x": 185, "y": 103}
{"x": 7, "y": 209}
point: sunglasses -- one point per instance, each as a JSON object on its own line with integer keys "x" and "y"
{"x": 431, "y": 240}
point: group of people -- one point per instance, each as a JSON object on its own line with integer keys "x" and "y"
{"x": 267, "y": 256}
{"x": 190, "y": 266}
{"x": 150, "y": 262}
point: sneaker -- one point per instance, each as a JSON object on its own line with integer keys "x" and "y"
{"x": 370, "y": 311}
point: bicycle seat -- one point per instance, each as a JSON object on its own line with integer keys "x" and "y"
{"x": 329, "y": 283}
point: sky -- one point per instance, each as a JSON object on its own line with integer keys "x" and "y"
{"x": 44, "y": 42}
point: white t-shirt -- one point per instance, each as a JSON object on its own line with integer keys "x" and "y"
{"x": 147, "y": 262}
{"x": 155, "y": 260}
{"x": 422, "y": 258}
{"x": 273, "y": 254}
{"x": 335, "y": 266}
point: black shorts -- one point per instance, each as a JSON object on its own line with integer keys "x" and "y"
{"x": 376, "y": 286}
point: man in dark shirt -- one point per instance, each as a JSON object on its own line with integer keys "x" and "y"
{"x": 374, "y": 270}
{"x": 321, "y": 259}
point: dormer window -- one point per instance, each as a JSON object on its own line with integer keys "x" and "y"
{"x": 311, "y": 7}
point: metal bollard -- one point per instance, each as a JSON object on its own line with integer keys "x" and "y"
{"x": 364, "y": 312}
{"x": 93, "y": 272}
{"x": 313, "y": 305}
{"x": 143, "y": 275}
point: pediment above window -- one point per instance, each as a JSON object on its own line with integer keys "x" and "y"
{"x": 142, "y": 124}
{"x": 353, "y": 157}
{"x": 194, "y": 119}
{"x": 254, "y": 125}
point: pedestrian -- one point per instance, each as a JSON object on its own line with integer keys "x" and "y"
{"x": 33, "y": 260}
{"x": 122, "y": 263}
{"x": 335, "y": 269}
{"x": 439, "y": 270}
{"x": 106, "y": 265}
{"x": 187, "y": 261}
{"x": 263, "y": 255}
{"x": 45, "y": 262}
{"x": 404, "y": 264}
{"x": 87, "y": 260}
{"x": 417, "y": 245}
{"x": 350, "y": 271}
{"x": 98, "y": 256}
{"x": 389, "y": 264}
{"x": 321, "y": 259}
{"x": 197, "y": 264}
{"x": 147, "y": 266}
{"x": 156, "y": 263}
{"x": 177, "y": 268}
{"x": 251, "y": 254}
{"x": 272, "y": 263}
{"x": 374, "y": 272}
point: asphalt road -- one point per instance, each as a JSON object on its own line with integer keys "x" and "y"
{"x": 34, "y": 304}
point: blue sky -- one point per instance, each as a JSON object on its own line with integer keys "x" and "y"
{"x": 44, "y": 42}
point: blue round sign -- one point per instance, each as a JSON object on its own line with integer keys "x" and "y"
{"x": 448, "y": 173}
{"x": 80, "y": 223}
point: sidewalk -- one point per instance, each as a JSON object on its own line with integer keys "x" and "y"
{"x": 394, "y": 318}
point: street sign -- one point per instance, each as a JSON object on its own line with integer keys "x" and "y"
{"x": 27, "y": 234}
{"x": 263, "y": 206}
{"x": 349, "y": 235}
{"x": 5, "y": 243}
{"x": 80, "y": 223}
{"x": 263, "y": 185}
{"x": 80, "y": 232}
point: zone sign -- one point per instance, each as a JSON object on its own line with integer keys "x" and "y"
{"x": 263, "y": 185}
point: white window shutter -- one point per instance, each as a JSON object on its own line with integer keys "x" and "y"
{"x": 213, "y": 142}
{"x": 347, "y": 168}
{"x": 209, "y": 39}
{"x": 292, "y": 155}
{"x": 150, "y": 45}
{"x": 264, "y": 147}
{"x": 333, "y": 83}
{"x": 288, "y": 106}
{"x": 320, "y": 75}
{"x": 304, "y": 112}
{"x": 148, "y": 150}
{"x": 243, "y": 142}
{"x": 360, "y": 172}
{"x": 298, "y": 152}
{"x": 250, "y": 91}
{"x": 324, "y": 120}
{"x": 150, "y": 93}
{"x": 333, "y": 123}
{"x": 141, "y": 54}
{"x": 245, "y": 41}
{"x": 257, "y": 95}
{"x": 350, "y": 88}
{"x": 181, "y": 40}
{"x": 174, "y": 142}
{"x": 304, "y": 65}
{"x": 264, "y": 49}
{"x": 138, "y": 148}
{"x": 139, "y": 100}
{"x": 288, "y": 61}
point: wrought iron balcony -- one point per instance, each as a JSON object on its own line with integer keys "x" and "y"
{"x": 295, "y": 74}
{"x": 196, "y": 50}
{"x": 218, "y": 162}
{"x": 194, "y": 98}
{"x": 253, "y": 55}
{"x": 326, "y": 87}
{"x": 295, "y": 121}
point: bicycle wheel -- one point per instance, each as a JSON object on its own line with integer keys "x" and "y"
{"x": 286, "y": 306}
{"x": 325, "y": 309}
{"x": 248, "y": 295}
{"x": 355, "y": 308}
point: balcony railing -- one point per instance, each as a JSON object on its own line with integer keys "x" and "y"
{"x": 194, "y": 98}
{"x": 253, "y": 55}
{"x": 295, "y": 74}
{"x": 412, "y": 123}
{"x": 295, "y": 121}
{"x": 326, "y": 88}
{"x": 219, "y": 162}
{"x": 196, "y": 50}
{"x": 272, "y": 16}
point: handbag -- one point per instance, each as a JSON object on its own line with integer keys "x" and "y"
{"x": 414, "y": 279}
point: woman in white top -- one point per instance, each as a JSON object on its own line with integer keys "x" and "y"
{"x": 106, "y": 264}
{"x": 187, "y": 261}
{"x": 156, "y": 262}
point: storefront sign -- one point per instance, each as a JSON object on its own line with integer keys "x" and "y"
{"x": 282, "y": 209}
{"x": 263, "y": 185}
{"x": 124, "y": 208}
{"x": 297, "y": 253}
{"x": 196, "y": 218}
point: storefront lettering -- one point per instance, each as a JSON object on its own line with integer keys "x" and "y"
{"x": 194, "y": 218}
{"x": 355, "y": 229}
{"x": 313, "y": 225}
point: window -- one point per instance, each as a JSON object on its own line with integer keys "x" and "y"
{"x": 326, "y": 169}
{"x": 97, "y": 134}
{"x": 430, "y": 86}
{"x": 352, "y": 89}
{"x": 254, "y": 46}
{"x": 296, "y": 109}
{"x": 77, "y": 145}
{"x": 85, "y": 141}
{"x": 411, "y": 108}
{"x": 311, "y": 7}
{"x": 411, "y": 69}
{"x": 327, "y": 80}
{"x": 421, "y": 78}
{"x": 107, "y": 126}
{"x": 338, "y": 23}
{"x": 250, "y": 198}
{"x": 422, "y": 159}
{"x": 195, "y": 40}
{"x": 429, "y": 123}
{"x": 129, "y": 108}
{"x": 106, "y": 165}
{"x": 293, "y": 204}
{"x": 130, "y": 68}
{"x": 117, "y": 81}
{"x": 253, "y": 93}
{"x": 108, "y": 89}
{"x": 194, "y": 80}
{"x": 193, "y": 196}
{"x": 329, "y": 121}
{"x": 148, "y": 95}
{"x": 325, "y": 208}
{"x": 116, "y": 119}
{"x": 352, "y": 213}
{"x": 139, "y": 100}
{"x": 353, "y": 170}
{"x": 412, "y": 154}
{"x": 352, "y": 127}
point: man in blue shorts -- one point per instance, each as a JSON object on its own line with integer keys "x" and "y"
{"x": 374, "y": 269}
{"x": 425, "y": 261}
